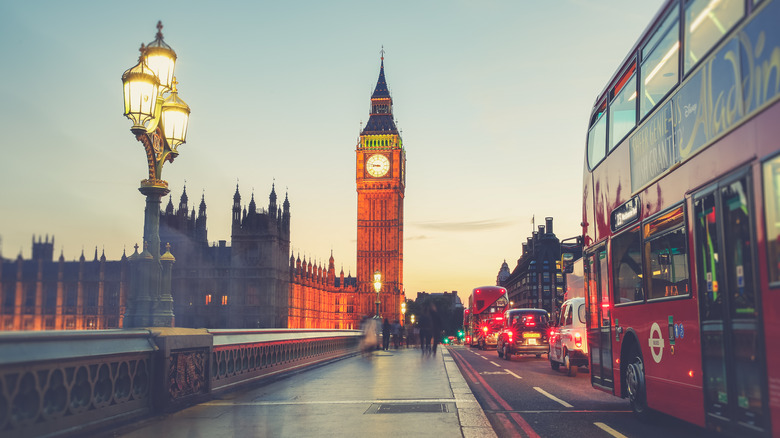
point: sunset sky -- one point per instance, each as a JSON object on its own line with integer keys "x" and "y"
{"x": 492, "y": 98}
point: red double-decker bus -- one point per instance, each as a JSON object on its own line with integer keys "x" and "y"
{"x": 681, "y": 218}
{"x": 485, "y": 315}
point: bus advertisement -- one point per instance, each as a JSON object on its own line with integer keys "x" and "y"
{"x": 681, "y": 219}
{"x": 485, "y": 315}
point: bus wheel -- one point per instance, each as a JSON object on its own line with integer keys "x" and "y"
{"x": 635, "y": 384}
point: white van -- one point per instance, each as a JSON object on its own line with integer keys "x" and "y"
{"x": 569, "y": 339}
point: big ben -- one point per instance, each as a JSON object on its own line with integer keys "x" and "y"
{"x": 381, "y": 180}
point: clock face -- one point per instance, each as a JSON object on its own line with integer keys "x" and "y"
{"x": 377, "y": 165}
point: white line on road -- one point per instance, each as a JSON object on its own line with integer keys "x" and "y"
{"x": 495, "y": 364}
{"x": 512, "y": 373}
{"x": 326, "y": 402}
{"x": 552, "y": 397}
{"x": 610, "y": 430}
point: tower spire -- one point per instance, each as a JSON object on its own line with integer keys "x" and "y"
{"x": 381, "y": 120}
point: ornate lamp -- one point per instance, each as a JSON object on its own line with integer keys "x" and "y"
{"x": 377, "y": 281}
{"x": 377, "y": 288}
{"x": 141, "y": 88}
{"x": 160, "y": 124}
{"x": 161, "y": 58}
{"x": 175, "y": 117}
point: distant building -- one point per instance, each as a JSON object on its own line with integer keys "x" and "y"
{"x": 537, "y": 281}
{"x": 254, "y": 283}
{"x": 381, "y": 184}
{"x": 451, "y": 298}
{"x": 43, "y": 294}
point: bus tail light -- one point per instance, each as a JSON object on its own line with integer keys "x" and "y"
{"x": 578, "y": 339}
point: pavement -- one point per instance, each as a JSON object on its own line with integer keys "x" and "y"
{"x": 387, "y": 393}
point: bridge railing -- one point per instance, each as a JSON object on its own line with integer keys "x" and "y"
{"x": 61, "y": 383}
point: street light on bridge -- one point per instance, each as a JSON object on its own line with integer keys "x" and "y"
{"x": 160, "y": 120}
{"x": 377, "y": 288}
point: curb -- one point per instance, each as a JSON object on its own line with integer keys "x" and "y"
{"x": 473, "y": 422}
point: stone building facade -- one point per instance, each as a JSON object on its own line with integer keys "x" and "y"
{"x": 252, "y": 283}
{"x": 537, "y": 280}
{"x": 44, "y": 294}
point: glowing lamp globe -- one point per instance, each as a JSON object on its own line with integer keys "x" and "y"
{"x": 175, "y": 118}
{"x": 161, "y": 58}
{"x": 141, "y": 88}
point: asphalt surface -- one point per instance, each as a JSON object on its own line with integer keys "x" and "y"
{"x": 525, "y": 397}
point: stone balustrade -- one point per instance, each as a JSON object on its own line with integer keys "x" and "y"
{"x": 61, "y": 383}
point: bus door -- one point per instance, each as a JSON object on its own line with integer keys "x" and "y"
{"x": 735, "y": 389}
{"x": 600, "y": 325}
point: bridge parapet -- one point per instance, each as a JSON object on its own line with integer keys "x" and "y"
{"x": 62, "y": 383}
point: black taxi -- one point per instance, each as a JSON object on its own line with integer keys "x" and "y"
{"x": 525, "y": 331}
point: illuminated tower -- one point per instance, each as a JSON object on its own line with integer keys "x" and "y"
{"x": 381, "y": 180}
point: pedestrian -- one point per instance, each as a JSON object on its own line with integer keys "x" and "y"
{"x": 368, "y": 341}
{"x": 436, "y": 328}
{"x": 396, "y": 328}
{"x": 425, "y": 330}
{"x": 386, "y": 334}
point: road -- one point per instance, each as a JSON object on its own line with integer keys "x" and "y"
{"x": 525, "y": 397}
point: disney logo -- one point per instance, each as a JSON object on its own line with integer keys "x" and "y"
{"x": 690, "y": 109}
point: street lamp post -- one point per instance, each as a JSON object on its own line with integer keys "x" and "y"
{"x": 403, "y": 312}
{"x": 377, "y": 288}
{"x": 160, "y": 121}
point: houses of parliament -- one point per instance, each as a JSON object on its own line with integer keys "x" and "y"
{"x": 255, "y": 281}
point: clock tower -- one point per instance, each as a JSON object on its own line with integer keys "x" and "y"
{"x": 381, "y": 180}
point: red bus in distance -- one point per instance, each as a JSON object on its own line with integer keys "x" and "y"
{"x": 681, "y": 219}
{"x": 485, "y": 315}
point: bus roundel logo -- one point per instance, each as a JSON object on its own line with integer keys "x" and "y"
{"x": 656, "y": 343}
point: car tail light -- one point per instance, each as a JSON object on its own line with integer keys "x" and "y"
{"x": 485, "y": 329}
{"x": 578, "y": 339}
{"x": 509, "y": 333}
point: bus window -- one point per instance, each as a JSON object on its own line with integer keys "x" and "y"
{"x": 597, "y": 140}
{"x": 622, "y": 110}
{"x": 660, "y": 60}
{"x": 627, "y": 264}
{"x": 706, "y": 21}
{"x": 772, "y": 211}
{"x": 667, "y": 256}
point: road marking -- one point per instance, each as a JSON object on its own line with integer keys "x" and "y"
{"x": 495, "y": 364}
{"x": 512, "y": 373}
{"x": 610, "y": 430}
{"x": 552, "y": 397}
{"x": 339, "y": 402}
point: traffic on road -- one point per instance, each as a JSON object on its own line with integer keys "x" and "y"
{"x": 526, "y": 397}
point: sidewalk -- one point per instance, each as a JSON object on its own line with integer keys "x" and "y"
{"x": 390, "y": 393}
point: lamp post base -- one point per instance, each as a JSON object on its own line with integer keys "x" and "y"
{"x": 151, "y": 303}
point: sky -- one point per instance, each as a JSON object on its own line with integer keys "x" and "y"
{"x": 492, "y": 99}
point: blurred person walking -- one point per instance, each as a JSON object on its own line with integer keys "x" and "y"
{"x": 396, "y": 329}
{"x": 368, "y": 342}
{"x": 386, "y": 334}
{"x": 426, "y": 329}
{"x": 436, "y": 328}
